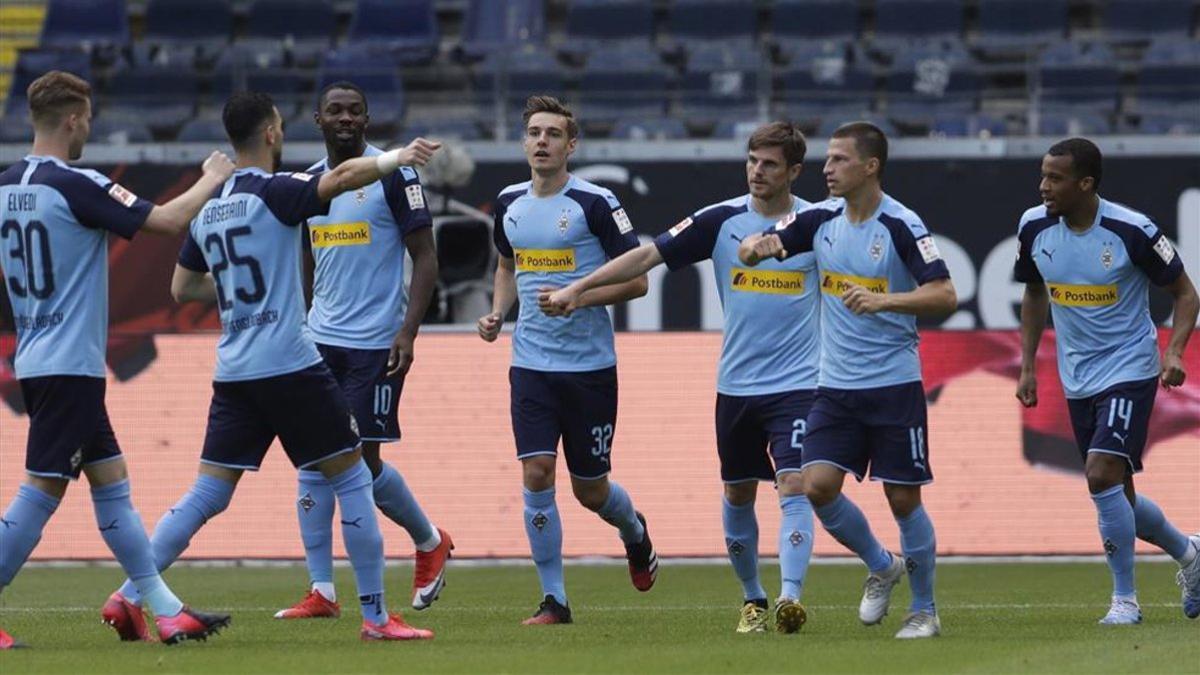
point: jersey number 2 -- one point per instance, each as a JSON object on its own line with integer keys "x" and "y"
{"x": 31, "y": 245}
{"x": 229, "y": 255}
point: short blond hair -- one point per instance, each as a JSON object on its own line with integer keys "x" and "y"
{"x": 549, "y": 104}
{"x": 54, "y": 94}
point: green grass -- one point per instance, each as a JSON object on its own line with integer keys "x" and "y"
{"x": 995, "y": 618}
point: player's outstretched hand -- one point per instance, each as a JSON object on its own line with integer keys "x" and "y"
{"x": 489, "y": 326}
{"x": 418, "y": 152}
{"x": 557, "y": 302}
{"x": 218, "y": 165}
{"x": 756, "y": 248}
{"x": 862, "y": 301}
{"x": 401, "y": 357}
{"x": 1173, "y": 373}
{"x": 1027, "y": 390}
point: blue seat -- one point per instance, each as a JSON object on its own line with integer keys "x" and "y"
{"x": 824, "y": 86}
{"x": 379, "y": 81}
{"x": 702, "y": 20}
{"x": 163, "y": 97}
{"x": 291, "y": 88}
{"x": 1168, "y": 81}
{"x": 1006, "y": 25}
{"x": 1134, "y": 20}
{"x": 737, "y": 127}
{"x": 706, "y": 96}
{"x": 491, "y": 25}
{"x": 1092, "y": 85}
{"x": 33, "y": 63}
{"x": 204, "y": 23}
{"x": 15, "y": 129}
{"x": 302, "y": 129}
{"x": 624, "y": 83}
{"x": 1078, "y": 122}
{"x": 508, "y": 78}
{"x": 909, "y": 21}
{"x": 1169, "y": 124}
{"x": 608, "y": 25}
{"x": 202, "y": 130}
{"x": 831, "y": 123}
{"x": 637, "y": 128}
{"x": 452, "y": 128}
{"x": 71, "y": 23}
{"x": 406, "y": 28}
{"x": 967, "y": 126}
{"x": 933, "y": 85}
{"x": 817, "y": 20}
{"x": 305, "y": 27}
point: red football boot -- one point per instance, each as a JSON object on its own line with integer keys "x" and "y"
{"x": 189, "y": 625}
{"x": 394, "y": 629}
{"x": 313, "y": 606}
{"x": 126, "y": 618}
{"x": 429, "y": 576}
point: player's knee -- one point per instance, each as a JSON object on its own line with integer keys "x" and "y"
{"x": 538, "y": 473}
{"x": 370, "y": 455}
{"x": 740, "y": 494}
{"x": 1104, "y": 471}
{"x": 591, "y": 494}
{"x": 790, "y": 484}
{"x": 902, "y": 499}
{"x": 819, "y": 492}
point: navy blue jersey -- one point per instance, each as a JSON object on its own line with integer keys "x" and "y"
{"x": 891, "y": 252}
{"x": 553, "y": 241}
{"x": 248, "y": 236}
{"x": 1098, "y": 281}
{"x": 54, "y": 225}
{"x": 776, "y": 303}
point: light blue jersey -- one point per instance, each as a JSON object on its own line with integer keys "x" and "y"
{"x": 248, "y": 236}
{"x": 772, "y": 317}
{"x": 359, "y": 297}
{"x": 54, "y": 225}
{"x": 1099, "y": 282}
{"x": 553, "y": 241}
{"x": 891, "y": 252}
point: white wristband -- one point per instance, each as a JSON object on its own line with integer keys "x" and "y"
{"x": 387, "y": 162}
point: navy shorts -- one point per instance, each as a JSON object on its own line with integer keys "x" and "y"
{"x": 749, "y": 426}
{"x": 1115, "y": 421}
{"x": 884, "y": 429}
{"x": 68, "y": 425}
{"x": 579, "y": 408}
{"x": 305, "y": 409}
{"x": 372, "y": 394}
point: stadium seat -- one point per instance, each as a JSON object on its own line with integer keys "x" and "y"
{"x": 163, "y": 97}
{"x": 290, "y": 88}
{"x": 491, "y": 25}
{"x": 509, "y": 77}
{"x": 967, "y": 126}
{"x": 1168, "y": 80}
{"x": 1169, "y": 125}
{"x": 834, "y": 21}
{"x": 902, "y": 22}
{"x": 202, "y": 130}
{"x": 1072, "y": 123}
{"x": 460, "y": 129}
{"x": 722, "y": 80}
{"x": 937, "y": 84}
{"x": 1019, "y": 25}
{"x": 206, "y": 24}
{"x": 1079, "y": 74}
{"x": 735, "y": 127}
{"x": 32, "y": 64}
{"x": 1138, "y": 20}
{"x": 15, "y": 129}
{"x": 831, "y": 123}
{"x": 728, "y": 21}
{"x": 379, "y": 81}
{"x": 609, "y": 26}
{"x": 638, "y": 128}
{"x": 405, "y": 28}
{"x": 76, "y": 23}
{"x": 821, "y": 86}
{"x": 302, "y": 129}
{"x": 304, "y": 27}
{"x": 629, "y": 82}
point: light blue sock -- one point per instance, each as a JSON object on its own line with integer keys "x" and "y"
{"x": 208, "y": 497}
{"x": 544, "y": 529}
{"x": 364, "y": 542}
{"x": 795, "y": 543}
{"x": 21, "y": 528}
{"x": 843, "y": 519}
{"x": 122, "y": 530}
{"x": 919, "y": 546}
{"x": 1117, "y": 530}
{"x": 397, "y": 502}
{"x": 741, "y": 541}
{"x": 1153, "y": 526}
{"x": 618, "y": 512}
{"x": 315, "y": 503}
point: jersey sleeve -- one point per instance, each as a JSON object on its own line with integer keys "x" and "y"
{"x": 1153, "y": 253}
{"x": 498, "y": 235}
{"x": 99, "y": 203}
{"x": 798, "y": 230}
{"x": 406, "y": 199}
{"x": 191, "y": 257}
{"x": 293, "y": 198}
{"x": 692, "y": 239}
{"x": 1025, "y": 269}
{"x": 608, "y": 222}
{"x": 918, "y": 250}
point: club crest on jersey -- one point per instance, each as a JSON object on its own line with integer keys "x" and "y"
{"x": 360, "y": 196}
{"x": 1106, "y": 256}
{"x": 564, "y": 222}
{"x": 876, "y": 250}
{"x": 121, "y": 195}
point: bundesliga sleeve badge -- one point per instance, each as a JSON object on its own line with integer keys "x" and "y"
{"x": 929, "y": 250}
{"x": 680, "y": 227}
{"x": 121, "y": 195}
{"x": 1165, "y": 250}
{"x": 623, "y": 224}
{"x": 416, "y": 198}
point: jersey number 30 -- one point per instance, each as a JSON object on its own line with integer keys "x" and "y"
{"x": 31, "y": 246}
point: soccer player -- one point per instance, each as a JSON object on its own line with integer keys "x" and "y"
{"x": 54, "y": 225}
{"x": 1090, "y": 262}
{"x": 549, "y": 231}
{"x": 880, "y": 269}
{"x": 364, "y": 327}
{"x": 242, "y": 252}
{"x": 769, "y": 359}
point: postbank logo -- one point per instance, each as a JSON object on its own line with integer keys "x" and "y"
{"x": 1070, "y": 295}
{"x": 340, "y": 234}
{"x": 778, "y": 282}
{"x": 544, "y": 259}
{"x": 833, "y": 283}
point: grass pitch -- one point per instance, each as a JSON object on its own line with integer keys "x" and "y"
{"x": 995, "y": 618}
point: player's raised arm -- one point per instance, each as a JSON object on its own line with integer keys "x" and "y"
{"x": 361, "y": 171}
{"x": 173, "y": 217}
{"x": 627, "y": 267}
